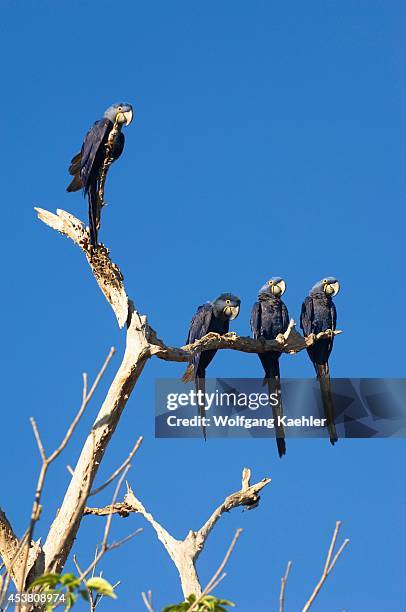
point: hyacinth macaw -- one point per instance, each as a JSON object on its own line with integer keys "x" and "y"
{"x": 103, "y": 144}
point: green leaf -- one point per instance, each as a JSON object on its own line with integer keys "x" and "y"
{"x": 100, "y": 585}
{"x": 46, "y": 579}
{"x": 72, "y": 597}
{"x": 84, "y": 594}
{"x": 207, "y": 604}
{"x": 70, "y": 580}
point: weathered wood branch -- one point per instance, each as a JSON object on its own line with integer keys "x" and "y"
{"x": 291, "y": 342}
{"x": 121, "y": 508}
{"x": 66, "y": 524}
{"x": 184, "y": 553}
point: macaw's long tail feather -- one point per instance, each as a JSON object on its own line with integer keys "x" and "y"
{"x": 201, "y": 402}
{"x": 94, "y": 214}
{"x": 274, "y": 387}
{"x": 323, "y": 375}
{"x": 75, "y": 184}
{"x": 189, "y": 374}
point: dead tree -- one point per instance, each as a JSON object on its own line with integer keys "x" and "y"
{"x": 26, "y": 559}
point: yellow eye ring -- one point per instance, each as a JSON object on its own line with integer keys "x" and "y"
{"x": 270, "y": 282}
{"x": 228, "y": 302}
{"x": 120, "y": 108}
{"x": 325, "y": 280}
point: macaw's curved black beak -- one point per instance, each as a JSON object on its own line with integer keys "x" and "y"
{"x": 232, "y": 312}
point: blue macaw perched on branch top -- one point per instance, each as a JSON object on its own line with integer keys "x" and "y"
{"x": 319, "y": 314}
{"x": 215, "y": 317}
{"x": 103, "y": 144}
{"x": 269, "y": 318}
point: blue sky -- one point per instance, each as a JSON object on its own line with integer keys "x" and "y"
{"x": 269, "y": 139}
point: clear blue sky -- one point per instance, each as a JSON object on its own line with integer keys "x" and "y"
{"x": 269, "y": 139}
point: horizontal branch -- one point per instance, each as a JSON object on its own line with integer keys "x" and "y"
{"x": 292, "y": 342}
{"x": 121, "y": 508}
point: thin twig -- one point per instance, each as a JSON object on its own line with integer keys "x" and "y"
{"x": 328, "y": 566}
{"x": 119, "y": 469}
{"x": 46, "y": 461}
{"x": 340, "y": 550}
{"x": 85, "y": 402}
{"x": 110, "y": 516}
{"x": 104, "y": 546}
{"x": 216, "y": 578}
{"x": 83, "y": 581}
{"x": 284, "y": 580}
{"x": 147, "y": 601}
{"x": 38, "y": 439}
{"x": 84, "y": 393}
{"x": 130, "y": 536}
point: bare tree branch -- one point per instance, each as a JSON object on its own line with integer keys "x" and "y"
{"x": 86, "y": 399}
{"x": 328, "y": 566}
{"x": 83, "y": 581}
{"x": 105, "y": 546}
{"x": 247, "y": 496}
{"x": 121, "y": 508}
{"x": 147, "y": 599}
{"x": 66, "y": 524}
{"x": 291, "y": 344}
{"x": 184, "y": 553}
{"x": 218, "y": 576}
{"x": 284, "y": 580}
{"x": 32, "y": 563}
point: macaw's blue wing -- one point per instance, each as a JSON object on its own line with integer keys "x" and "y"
{"x": 255, "y": 321}
{"x": 92, "y": 154}
{"x": 87, "y": 163}
{"x": 199, "y": 327}
{"x": 306, "y": 316}
{"x": 285, "y": 317}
